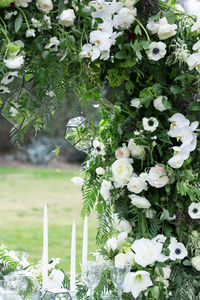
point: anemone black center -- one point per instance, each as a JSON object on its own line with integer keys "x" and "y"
{"x": 9, "y": 77}
{"x": 178, "y": 251}
{"x": 195, "y": 210}
{"x": 98, "y": 149}
{"x": 156, "y": 51}
{"x": 150, "y": 123}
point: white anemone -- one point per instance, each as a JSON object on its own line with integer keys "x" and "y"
{"x": 156, "y": 51}
{"x": 177, "y": 250}
{"x": 9, "y": 77}
{"x": 150, "y": 124}
{"x": 194, "y": 210}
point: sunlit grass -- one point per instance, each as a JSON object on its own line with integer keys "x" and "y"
{"x": 23, "y": 192}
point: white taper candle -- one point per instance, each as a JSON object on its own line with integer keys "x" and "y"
{"x": 85, "y": 242}
{"x": 73, "y": 260}
{"x": 45, "y": 248}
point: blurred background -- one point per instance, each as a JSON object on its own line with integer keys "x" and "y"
{"x": 33, "y": 175}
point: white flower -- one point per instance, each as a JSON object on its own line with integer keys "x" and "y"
{"x": 152, "y": 26}
{"x": 122, "y": 171}
{"x": 22, "y": 3}
{"x": 196, "y": 262}
{"x": 121, "y": 225}
{"x": 179, "y": 120}
{"x": 98, "y": 147}
{"x": 136, "y": 103}
{"x": 100, "y": 39}
{"x": 196, "y": 46}
{"x": 106, "y": 186}
{"x": 129, "y": 3}
{"x": 137, "y": 151}
{"x": 136, "y": 185}
{"x": 50, "y": 93}
{"x": 158, "y": 103}
{"x": 139, "y": 202}
{"x": 167, "y": 271}
{"x": 166, "y": 30}
{"x": 100, "y": 171}
{"x": 111, "y": 244}
{"x": 183, "y": 134}
{"x": 79, "y": 181}
{"x": 90, "y": 51}
{"x": 36, "y": 23}
{"x": 122, "y": 152}
{"x": 150, "y": 124}
{"x": 105, "y": 26}
{"x": 104, "y": 9}
{"x": 44, "y": 5}
{"x": 30, "y": 33}
{"x": 9, "y": 77}
{"x": 14, "y": 62}
{"x": 177, "y": 250}
{"x": 160, "y": 238}
{"x": 122, "y": 259}
{"x": 194, "y": 210}
{"x": 176, "y": 161}
{"x": 55, "y": 280}
{"x": 122, "y": 238}
{"x": 196, "y": 26}
{"x": 53, "y": 44}
{"x": 157, "y": 177}
{"x": 4, "y": 89}
{"x": 150, "y": 213}
{"x": 194, "y": 61}
{"x": 125, "y": 18}
{"x": 137, "y": 282}
{"x": 156, "y": 51}
{"x": 67, "y": 17}
{"x": 146, "y": 251}
{"x": 53, "y": 262}
{"x": 47, "y": 21}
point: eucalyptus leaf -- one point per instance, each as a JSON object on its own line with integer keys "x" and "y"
{"x": 18, "y": 22}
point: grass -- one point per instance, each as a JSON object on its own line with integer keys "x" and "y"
{"x": 23, "y": 192}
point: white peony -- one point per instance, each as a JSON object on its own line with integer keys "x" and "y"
{"x": 125, "y": 18}
{"x": 44, "y": 5}
{"x": 166, "y": 30}
{"x": 158, "y": 103}
{"x": 111, "y": 244}
{"x": 122, "y": 152}
{"x": 139, "y": 202}
{"x": 122, "y": 171}
{"x": 67, "y": 17}
{"x": 14, "y": 62}
{"x": 157, "y": 177}
{"x": 177, "y": 250}
{"x": 156, "y": 51}
{"x": 136, "y": 185}
{"x": 196, "y": 262}
{"x": 105, "y": 189}
{"x": 146, "y": 251}
{"x": 100, "y": 171}
{"x": 121, "y": 225}
{"x": 137, "y": 151}
{"x": 122, "y": 259}
{"x": 22, "y": 3}
{"x": 137, "y": 282}
{"x": 150, "y": 124}
{"x": 194, "y": 210}
{"x": 79, "y": 181}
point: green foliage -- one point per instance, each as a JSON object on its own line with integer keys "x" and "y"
{"x": 90, "y": 193}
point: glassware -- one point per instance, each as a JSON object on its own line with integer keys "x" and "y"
{"x": 91, "y": 275}
{"x": 8, "y": 292}
{"x": 117, "y": 275}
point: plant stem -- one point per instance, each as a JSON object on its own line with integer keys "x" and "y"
{"x": 147, "y": 35}
{"x": 25, "y": 18}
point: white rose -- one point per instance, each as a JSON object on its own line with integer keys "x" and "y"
{"x": 166, "y": 30}
{"x": 157, "y": 177}
{"x": 67, "y": 17}
{"x": 196, "y": 262}
{"x": 79, "y": 181}
{"x": 158, "y": 103}
{"x": 106, "y": 186}
{"x": 137, "y": 151}
{"x": 139, "y": 202}
{"x": 122, "y": 152}
{"x": 100, "y": 171}
{"x": 44, "y": 5}
{"x": 111, "y": 244}
{"x": 122, "y": 171}
{"x": 121, "y": 225}
{"x": 136, "y": 185}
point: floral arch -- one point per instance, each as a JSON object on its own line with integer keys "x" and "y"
{"x": 141, "y": 61}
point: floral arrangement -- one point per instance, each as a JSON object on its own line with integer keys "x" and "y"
{"x": 141, "y": 61}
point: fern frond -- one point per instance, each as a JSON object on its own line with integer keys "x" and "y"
{"x": 90, "y": 193}
{"x": 104, "y": 229}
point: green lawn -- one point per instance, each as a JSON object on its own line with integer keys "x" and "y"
{"x": 23, "y": 192}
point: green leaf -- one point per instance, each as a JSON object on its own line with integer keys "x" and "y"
{"x": 164, "y": 138}
{"x": 85, "y": 12}
{"x": 194, "y": 106}
{"x": 138, "y": 30}
{"x": 120, "y": 55}
{"x": 18, "y": 22}
{"x": 175, "y": 90}
{"x": 60, "y": 6}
